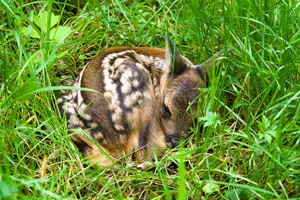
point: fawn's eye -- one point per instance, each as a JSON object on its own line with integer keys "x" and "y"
{"x": 165, "y": 111}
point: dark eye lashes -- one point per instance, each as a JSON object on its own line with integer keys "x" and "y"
{"x": 165, "y": 111}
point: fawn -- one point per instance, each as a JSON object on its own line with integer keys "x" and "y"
{"x": 141, "y": 103}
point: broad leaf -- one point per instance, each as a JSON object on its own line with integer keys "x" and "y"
{"x": 41, "y": 20}
{"x": 7, "y": 190}
{"x": 211, "y": 119}
{"x": 60, "y": 33}
{"x": 210, "y": 188}
{"x": 31, "y": 32}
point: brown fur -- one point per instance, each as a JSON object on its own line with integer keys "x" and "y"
{"x": 180, "y": 89}
{"x": 128, "y": 115}
{"x": 135, "y": 127}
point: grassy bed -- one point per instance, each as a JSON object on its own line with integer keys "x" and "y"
{"x": 249, "y": 146}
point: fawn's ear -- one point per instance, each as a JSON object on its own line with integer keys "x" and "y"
{"x": 206, "y": 65}
{"x": 176, "y": 64}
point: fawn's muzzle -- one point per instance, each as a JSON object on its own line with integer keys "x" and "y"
{"x": 172, "y": 140}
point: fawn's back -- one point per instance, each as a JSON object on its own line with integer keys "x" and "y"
{"x": 123, "y": 117}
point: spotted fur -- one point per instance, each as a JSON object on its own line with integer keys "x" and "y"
{"x": 121, "y": 119}
{"x": 125, "y": 115}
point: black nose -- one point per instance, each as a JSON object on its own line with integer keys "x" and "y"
{"x": 172, "y": 140}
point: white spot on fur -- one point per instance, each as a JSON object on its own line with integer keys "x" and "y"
{"x": 116, "y": 115}
{"x": 140, "y": 101}
{"x": 59, "y": 100}
{"x": 126, "y": 88}
{"x": 135, "y": 74}
{"x": 135, "y": 83}
{"x": 74, "y": 122}
{"x": 82, "y": 113}
{"x": 139, "y": 65}
{"x": 115, "y": 69}
{"x": 126, "y": 76}
{"x": 93, "y": 125}
{"x": 111, "y": 56}
{"x": 98, "y": 136}
{"x": 69, "y": 107}
{"x": 147, "y": 95}
{"x": 128, "y": 101}
{"x": 118, "y": 62}
{"x": 68, "y": 97}
{"x": 122, "y": 68}
{"x": 132, "y": 99}
{"x": 107, "y": 95}
{"x": 115, "y": 102}
{"x": 112, "y": 88}
{"x": 105, "y": 73}
{"x": 137, "y": 95}
{"x": 119, "y": 127}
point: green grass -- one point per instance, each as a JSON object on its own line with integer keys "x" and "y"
{"x": 249, "y": 147}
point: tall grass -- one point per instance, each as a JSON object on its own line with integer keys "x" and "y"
{"x": 248, "y": 146}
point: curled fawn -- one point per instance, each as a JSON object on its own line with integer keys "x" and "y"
{"x": 141, "y": 103}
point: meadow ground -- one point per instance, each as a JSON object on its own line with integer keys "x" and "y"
{"x": 249, "y": 146}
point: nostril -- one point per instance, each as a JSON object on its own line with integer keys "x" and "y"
{"x": 175, "y": 141}
{"x": 172, "y": 141}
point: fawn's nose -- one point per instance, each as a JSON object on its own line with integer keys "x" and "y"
{"x": 172, "y": 140}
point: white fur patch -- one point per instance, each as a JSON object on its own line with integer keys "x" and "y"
{"x": 135, "y": 83}
{"x": 147, "y": 95}
{"x": 93, "y": 125}
{"x": 82, "y": 112}
{"x": 126, "y": 88}
{"x": 135, "y": 74}
{"x": 117, "y": 73}
{"x": 98, "y": 136}
{"x": 119, "y": 127}
{"x": 139, "y": 65}
{"x": 132, "y": 99}
{"x": 74, "y": 122}
{"x": 70, "y": 107}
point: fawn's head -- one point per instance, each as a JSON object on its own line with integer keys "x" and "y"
{"x": 179, "y": 91}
